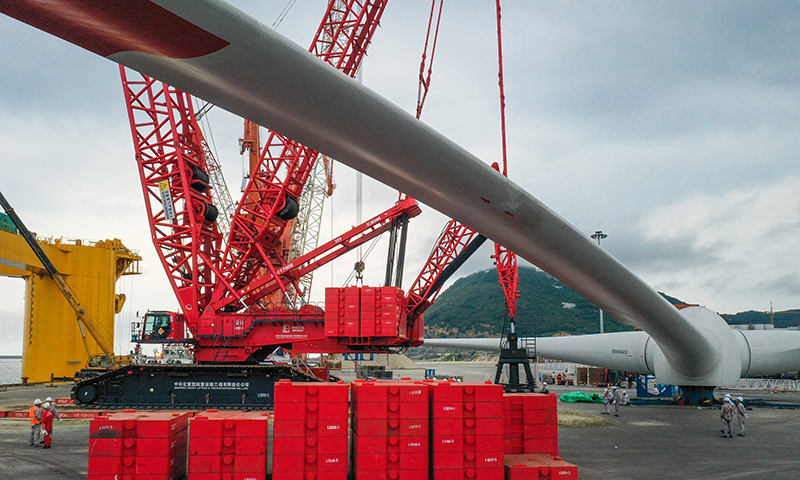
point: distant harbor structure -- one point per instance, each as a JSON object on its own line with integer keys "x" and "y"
{"x": 10, "y": 369}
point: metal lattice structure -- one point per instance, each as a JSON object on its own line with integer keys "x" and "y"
{"x": 172, "y": 159}
{"x": 305, "y": 234}
{"x": 265, "y": 258}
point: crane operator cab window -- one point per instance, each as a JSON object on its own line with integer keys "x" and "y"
{"x": 157, "y": 326}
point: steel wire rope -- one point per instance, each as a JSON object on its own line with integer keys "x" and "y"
{"x": 202, "y": 117}
{"x": 361, "y": 259}
{"x": 283, "y": 14}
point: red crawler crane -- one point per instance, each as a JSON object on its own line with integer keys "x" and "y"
{"x": 227, "y": 290}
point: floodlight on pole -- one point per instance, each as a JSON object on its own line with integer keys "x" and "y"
{"x": 599, "y": 235}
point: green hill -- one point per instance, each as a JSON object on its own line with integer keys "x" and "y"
{"x": 788, "y": 318}
{"x": 475, "y": 306}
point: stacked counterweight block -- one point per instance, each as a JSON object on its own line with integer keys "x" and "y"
{"x": 368, "y": 430}
{"x": 310, "y": 431}
{"x": 390, "y": 430}
{"x": 135, "y": 445}
{"x": 466, "y": 431}
{"x": 228, "y": 445}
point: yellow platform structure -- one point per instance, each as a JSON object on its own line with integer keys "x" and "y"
{"x": 53, "y": 341}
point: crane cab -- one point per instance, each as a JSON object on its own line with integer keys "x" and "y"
{"x": 159, "y": 327}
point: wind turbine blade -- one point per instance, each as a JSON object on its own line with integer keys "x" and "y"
{"x": 216, "y": 52}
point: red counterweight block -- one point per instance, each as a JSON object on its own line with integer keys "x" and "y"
{"x": 530, "y": 422}
{"x": 370, "y": 311}
{"x": 383, "y": 312}
{"x": 466, "y": 431}
{"x": 310, "y": 431}
{"x": 538, "y": 466}
{"x": 390, "y": 430}
{"x": 343, "y": 312}
{"x": 228, "y": 444}
{"x": 133, "y": 445}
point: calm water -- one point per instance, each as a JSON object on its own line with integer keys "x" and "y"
{"x": 10, "y": 370}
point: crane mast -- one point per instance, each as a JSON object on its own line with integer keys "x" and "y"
{"x": 227, "y": 287}
{"x": 172, "y": 158}
{"x": 457, "y": 241}
{"x": 260, "y": 238}
{"x": 506, "y": 260}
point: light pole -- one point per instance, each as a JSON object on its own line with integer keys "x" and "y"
{"x": 599, "y": 235}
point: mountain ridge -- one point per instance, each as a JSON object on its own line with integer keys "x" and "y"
{"x": 474, "y": 306}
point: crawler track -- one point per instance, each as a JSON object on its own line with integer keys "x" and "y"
{"x": 186, "y": 386}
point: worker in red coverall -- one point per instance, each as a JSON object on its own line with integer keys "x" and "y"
{"x": 47, "y": 425}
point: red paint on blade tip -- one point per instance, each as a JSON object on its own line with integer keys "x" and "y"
{"x": 107, "y": 28}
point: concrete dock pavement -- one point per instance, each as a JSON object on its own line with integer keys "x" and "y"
{"x": 652, "y": 441}
{"x": 684, "y": 442}
{"x": 67, "y": 459}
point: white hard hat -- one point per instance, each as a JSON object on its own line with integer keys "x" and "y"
{"x": 544, "y": 383}
{"x": 48, "y": 399}
{"x": 740, "y": 399}
{"x": 727, "y": 395}
{"x": 37, "y": 402}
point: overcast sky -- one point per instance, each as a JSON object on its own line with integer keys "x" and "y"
{"x": 674, "y": 127}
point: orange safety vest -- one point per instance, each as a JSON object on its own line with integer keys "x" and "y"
{"x": 34, "y": 418}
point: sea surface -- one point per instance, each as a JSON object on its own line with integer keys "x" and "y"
{"x": 10, "y": 370}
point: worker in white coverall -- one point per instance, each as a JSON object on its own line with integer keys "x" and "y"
{"x": 727, "y": 416}
{"x": 607, "y": 397}
{"x": 615, "y": 399}
{"x": 740, "y": 414}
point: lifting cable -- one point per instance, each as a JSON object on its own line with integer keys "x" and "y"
{"x": 361, "y": 260}
{"x": 283, "y": 14}
{"x": 502, "y": 91}
{"x": 425, "y": 79}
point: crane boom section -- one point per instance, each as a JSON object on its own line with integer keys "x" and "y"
{"x": 346, "y": 31}
{"x": 505, "y": 259}
{"x": 270, "y": 202}
{"x": 171, "y": 159}
{"x": 335, "y": 248}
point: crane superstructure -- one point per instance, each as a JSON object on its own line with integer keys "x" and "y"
{"x": 232, "y": 290}
{"x": 212, "y": 275}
